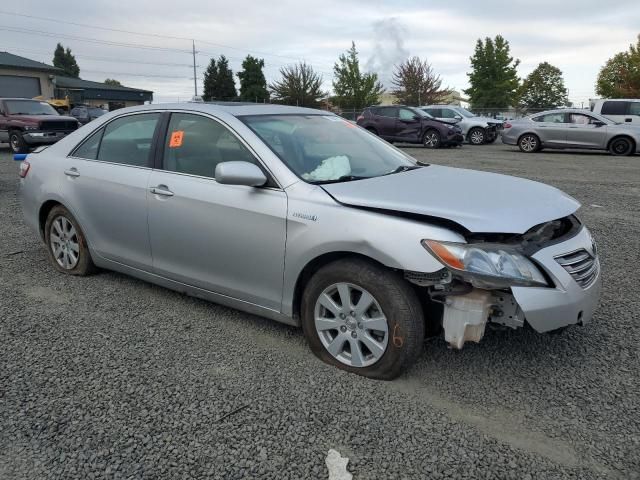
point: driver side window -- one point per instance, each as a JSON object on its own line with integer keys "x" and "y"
{"x": 406, "y": 114}
{"x": 448, "y": 113}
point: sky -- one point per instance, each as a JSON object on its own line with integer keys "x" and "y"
{"x": 576, "y": 36}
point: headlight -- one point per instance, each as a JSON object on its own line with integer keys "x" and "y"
{"x": 487, "y": 265}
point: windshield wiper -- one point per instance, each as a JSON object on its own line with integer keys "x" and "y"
{"x": 404, "y": 168}
{"x": 344, "y": 178}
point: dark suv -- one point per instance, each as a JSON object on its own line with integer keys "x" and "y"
{"x": 27, "y": 123}
{"x": 410, "y": 125}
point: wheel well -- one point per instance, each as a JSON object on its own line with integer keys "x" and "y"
{"x": 313, "y": 266}
{"x": 44, "y": 213}
{"x": 627, "y": 137}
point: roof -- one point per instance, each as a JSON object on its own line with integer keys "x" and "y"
{"x": 236, "y": 109}
{"x": 14, "y": 61}
{"x": 71, "y": 82}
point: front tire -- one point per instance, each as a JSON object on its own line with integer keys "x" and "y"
{"x": 621, "y": 146}
{"x": 18, "y": 145}
{"x": 362, "y": 318}
{"x": 477, "y": 136}
{"x": 66, "y": 243}
{"x": 529, "y": 143}
{"x": 432, "y": 139}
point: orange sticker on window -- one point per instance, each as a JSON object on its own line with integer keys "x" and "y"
{"x": 176, "y": 139}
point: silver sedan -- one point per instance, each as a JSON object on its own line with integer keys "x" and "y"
{"x": 302, "y": 217}
{"x": 571, "y": 128}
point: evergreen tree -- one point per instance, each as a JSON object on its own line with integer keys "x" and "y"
{"x": 299, "y": 85}
{"x": 543, "y": 88}
{"x": 620, "y": 76}
{"x": 417, "y": 84}
{"x": 210, "y": 80}
{"x": 253, "y": 85}
{"x": 354, "y": 89}
{"x": 225, "y": 85}
{"x": 493, "y": 78}
{"x": 65, "y": 60}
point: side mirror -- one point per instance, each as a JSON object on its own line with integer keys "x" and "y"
{"x": 597, "y": 123}
{"x": 458, "y": 117}
{"x": 240, "y": 173}
{"x": 417, "y": 117}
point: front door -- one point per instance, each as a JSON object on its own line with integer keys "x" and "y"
{"x": 585, "y": 131}
{"x": 106, "y": 180}
{"x": 387, "y": 117}
{"x": 228, "y": 239}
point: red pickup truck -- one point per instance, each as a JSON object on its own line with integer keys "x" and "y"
{"x": 26, "y": 123}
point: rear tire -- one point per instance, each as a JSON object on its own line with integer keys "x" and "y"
{"x": 477, "y": 136}
{"x": 529, "y": 143}
{"x": 621, "y": 146}
{"x": 376, "y": 297}
{"x": 431, "y": 139}
{"x": 18, "y": 145}
{"x": 66, "y": 243}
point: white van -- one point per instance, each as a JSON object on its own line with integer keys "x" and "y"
{"x": 623, "y": 110}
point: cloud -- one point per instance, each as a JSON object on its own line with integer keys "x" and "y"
{"x": 388, "y": 48}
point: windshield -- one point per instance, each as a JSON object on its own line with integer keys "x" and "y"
{"x": 464, "y": 112}
{"x": 29, "y": 107}
{"x": 325, "y": 148}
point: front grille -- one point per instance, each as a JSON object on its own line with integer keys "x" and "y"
{"x": 581, "y": 265}
{"x": 58, "y": 125}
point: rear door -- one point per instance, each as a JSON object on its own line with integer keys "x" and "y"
{"x": 387, "y": 127}
{"x": 552, "y": 128}
{"x": 229, "y": 239}
{"x": 106, "y": 183}
{"x": 408, "y": 126}
{"x": 584, "y": 131}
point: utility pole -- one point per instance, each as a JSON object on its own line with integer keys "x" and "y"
{"x": 195, "y": 78}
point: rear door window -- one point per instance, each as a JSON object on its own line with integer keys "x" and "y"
{"x": 128, "y": 140}
{"x": 89, "y": 148}
{"x": 551, "y": 118}
{"x": 391, "y": 112}
{"x": 615, "y": 107}
{"x": 434, "y": 112}
{"x": 634, "y": 108}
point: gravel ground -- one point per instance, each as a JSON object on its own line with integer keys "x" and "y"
{"x": 110, "y": 377}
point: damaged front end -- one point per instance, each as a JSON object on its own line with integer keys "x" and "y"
{"x": 510, "y": 279}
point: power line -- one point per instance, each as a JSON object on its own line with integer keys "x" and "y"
{"x": 146, "y": 75}
{"x": 156, "y": 35}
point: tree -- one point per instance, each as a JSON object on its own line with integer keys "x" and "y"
{"x": 620, "y": 75}
{"x": 210, "y": 78}
{"x": 354, "y": 89}
{"x": 253, "y": 85}
{"x": 112, "y": 81}
{"x": 300, "y": 85}
{"x": 493, "y": 78}
{"x": 543, "y": 88}
{"x": 416, "y": 83}
{"x": 218, "y": 81}
{"x": 65, "y": 60}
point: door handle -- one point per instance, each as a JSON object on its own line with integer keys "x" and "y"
{"x": 162, "y": 190}
{"x": 628, "y": 120}
{"x": 72, "y": 172}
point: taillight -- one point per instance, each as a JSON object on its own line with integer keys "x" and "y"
{"x": 507, "y": 125}
{"x": 24, "y": 169}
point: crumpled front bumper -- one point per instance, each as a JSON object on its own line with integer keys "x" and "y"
{"x": 568, "y": 303}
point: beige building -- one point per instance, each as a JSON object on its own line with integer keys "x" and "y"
{"x": 25, "y": 78}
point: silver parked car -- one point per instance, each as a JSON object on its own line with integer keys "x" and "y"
{"x": 571, "y": 128}
{"x": 300, "y": 216}
{"x": 475, "y": 129}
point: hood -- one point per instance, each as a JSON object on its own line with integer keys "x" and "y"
{"x": 39, "y": 118}
{"x": 478, "y": 201}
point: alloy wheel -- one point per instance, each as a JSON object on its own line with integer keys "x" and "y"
{"x": 528, "y": 143}
{"x": 351, "y": 325}
{"x": 14, "y": 142}
{"x": 477, "y": 137}
{"x": 431, "y": 140}
{"x": 64, "y": 243}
